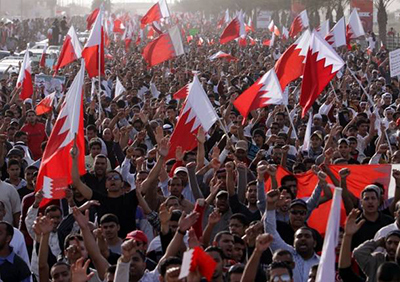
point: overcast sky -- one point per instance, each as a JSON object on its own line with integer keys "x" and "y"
{"x": 394, "y": 6}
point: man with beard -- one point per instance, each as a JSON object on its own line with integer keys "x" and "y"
{"x": 369, "y": 259}
{"x": 224, "y": 240}
{"x": 303, "y": 245}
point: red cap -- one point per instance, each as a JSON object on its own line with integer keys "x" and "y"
{"x": 137, "y": 235}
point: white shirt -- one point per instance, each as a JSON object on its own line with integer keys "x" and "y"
{"x": 19, "y": 246}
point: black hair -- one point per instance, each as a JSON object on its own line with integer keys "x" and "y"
{"x": 112, "y": 269}
{"x": 215, "y": 249}
{"x": 240, "y": 217}
{"x": 288, "y": 178}
{"x": 219, "y": 235}
{"x": 72, "y": 237}
{"x": 9, "y": 228}
{"x": 52, "y": 208}
{"x": 109, "y": 217}
{"x": 279, "y": 264}
{"x": 388, "y": 271}
{"x": 236, "y": 268}
{"x": 13, "y": 162}
{"x": 167, "y": 262}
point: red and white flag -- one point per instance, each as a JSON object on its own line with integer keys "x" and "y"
{"x": 197, "y": 111}
{"x": 271, "y": 26}
{"x": 92, "y": 18}
{"x": 196, "y": 260}
{"x": 165, "y": 47}
{"x": 354, "y": 28}
{"x": 322, "y": 64}
{"x": 234, "y": 29}
{"x": 200, "y": 42}
{"x": 118, "y": 26}
{"x": 42, "y": 62}
{"x": 337, "y": 35}
{"x": 326, "y": 269}
{"x": 290, "y": 65}
{"x": 285, "y": 33}
{"x": 299, "y": 23}
{"x": 127, "y": 36}
{"x": 265, "y": 91}
{"x": 55, "y": 169}
{"x": 223, "y": 55}
{"x": 157, "y": 12}
{"x": 25, "y": 77}
{"x": 71, "y": 50}
{"x": 249, "y": 26}
{"x": 46, "y": 105}
{"x": 93, "y": 52}
{"x": 139, "y": 37}
{"x": 270, "y": 42}
{"x": 276, "y": 31}
{"x": 323, "y": 29}
{"x": 181, "y": 93}
{"x": 252, "y": 41}
{"x": 225, "y": 19}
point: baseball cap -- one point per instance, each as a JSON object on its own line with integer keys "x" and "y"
{"x": 341, "y": 140}
{"x": 241, "y": 145}
{"x": 318, "y": 134}
{"x": 372, "y": 188}
{"x": 222, "y": 193}
{"x": 298, "y": 202}
{"x": 167, "y": 127}
{"x": 15, "y": 152}
{"x": 393, "y": 232}
{"x": 318, "y": 116}
{"x": 179, "y": 169}
{"x": 137, "y": 235}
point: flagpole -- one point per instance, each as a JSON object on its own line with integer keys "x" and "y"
{"x": 101, "y": 40}
{"x": 334, "y": 91}
{"x": 373, "y": 105}
{"x": 291, "y": 123}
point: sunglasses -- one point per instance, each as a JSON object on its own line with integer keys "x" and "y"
{"x": 281, "y": 278}
{"x": 298, "y": 212}
{"x": 113, "y": 177}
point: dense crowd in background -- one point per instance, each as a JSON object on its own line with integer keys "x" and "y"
{"x": 134, "y": 213}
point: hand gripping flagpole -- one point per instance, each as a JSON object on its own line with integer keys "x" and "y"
{"x": 373, "y": 105}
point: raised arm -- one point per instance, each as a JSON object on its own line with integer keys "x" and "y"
{"x": 263, "y": 242}
{"x": 99, "y": 261}
{"x": 347, "y": 196}
{"x": 76, "y": 179}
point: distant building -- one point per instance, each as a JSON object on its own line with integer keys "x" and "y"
{"x": 27, "y": 8}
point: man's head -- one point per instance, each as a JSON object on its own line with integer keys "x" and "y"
{"x": 251, "y": 192}
{"x": 31, "y": 117}
{"x": 225, "y": 241}
{"x": 297, "y": 213}
{"x": 370, "y": 198}
{"x": 6, "y": 234}
{"x": 218, "y": 256}
{"x": 238, "y": 224}
{"x": 222, "y": 201}
{"x": 175, "y": 186}
{"x": 14, "y": 169}
{"x": 60, "y": 272}
{"x": 241, "y": 148}
{"x": 114, "y": 183}
{"x": 280, "y": 271}
{"x": 55, "y": 214}
{"x": 312, "y": 275}
{"x": 285, "y": 256}
{"x": 94, "y": 147}
{"x": 91, "y": 132}
{"x": 30, "y": 174}
{"x": 21, "y": 136}
{"x": 100, "y": 165}
{"x": 173, "y": 202}
{"x": 182, "y": 173}
{"x": 392, "y": 240}
{"x": 170, "y": 269}
{"x": 316, "y": 140}
{"x": 388, "y": 272}
{"x": 110, "y": 274}
{"x": 109, "y": 224}
{"x": 138, "y": 266}
{"x": 140, "y": 239}
{"x": 235, "y": 273}
{"x": 344, "y": 148}
{"x": 290, "y": 181}
{"x": 74, "y": 248}
{"x": 239, "y": 249}
{"x": 305, "y": 242}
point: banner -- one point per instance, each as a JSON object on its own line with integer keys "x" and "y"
{"x": 365, "y": 9}
{"x": 50, "y": 84}
{"x": 394, "y": 63}
{"x": 360, "y": 176}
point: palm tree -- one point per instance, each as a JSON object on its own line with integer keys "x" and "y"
{"x": 381, "y": 6}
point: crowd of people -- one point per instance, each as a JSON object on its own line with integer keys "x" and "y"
{"x": 135, "y": 212}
